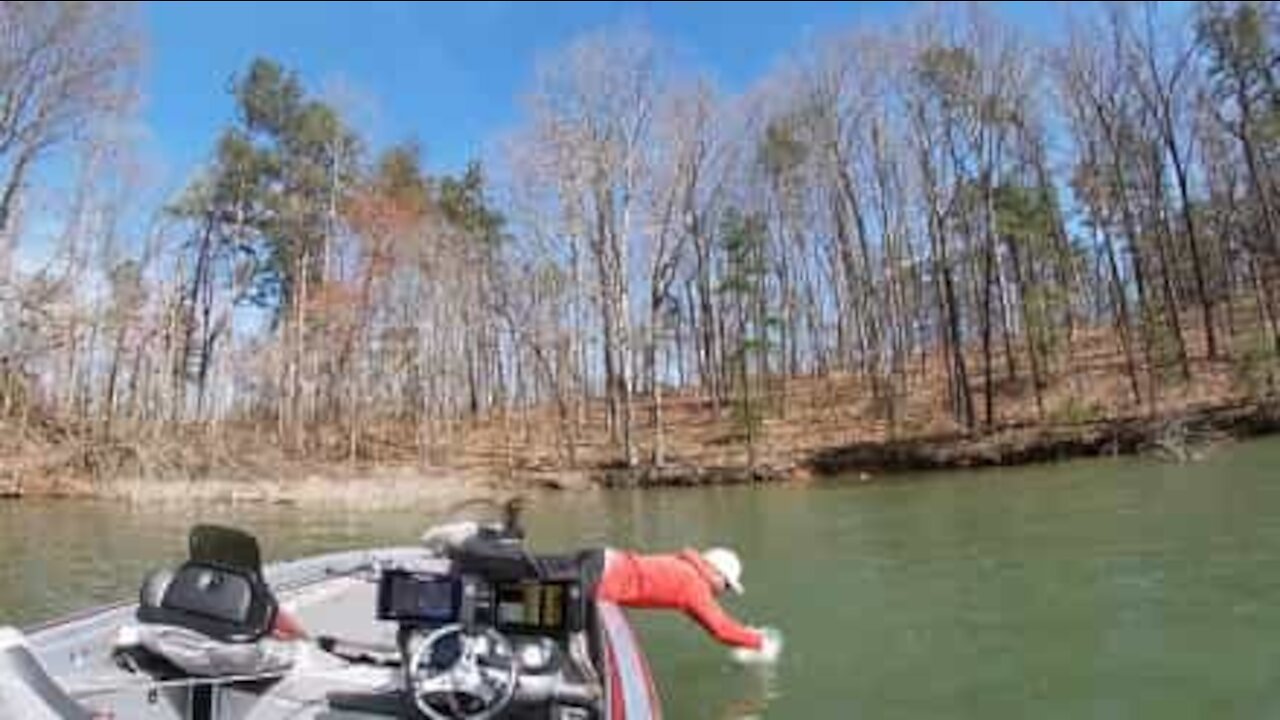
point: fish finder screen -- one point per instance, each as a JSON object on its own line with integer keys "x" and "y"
{"x": 417, "y": 596}
{"x": 533, "y": 606}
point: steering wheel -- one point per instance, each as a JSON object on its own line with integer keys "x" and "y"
{"x": 472, "y": 679}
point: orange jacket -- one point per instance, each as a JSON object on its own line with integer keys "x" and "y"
{"x": 682, "y": 581}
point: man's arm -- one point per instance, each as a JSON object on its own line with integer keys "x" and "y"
{"x": 707, "y": 612}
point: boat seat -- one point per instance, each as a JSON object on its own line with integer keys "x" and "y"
{"x": 222, "y": 603}
{"x": 213, "y": 614}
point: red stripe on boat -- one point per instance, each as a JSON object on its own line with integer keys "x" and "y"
{"x": 617, "y": 705}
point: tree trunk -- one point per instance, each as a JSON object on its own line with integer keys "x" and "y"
{"x": 1006, "y": 332}
{"x": 1122, "y": 319}
{"x": 109, "y": 397}
{"x": 9, "y": 198}
{"x": 989, "y": 381}
{"x": 1029, "y": 329}
{"x": 1202, "y": 292}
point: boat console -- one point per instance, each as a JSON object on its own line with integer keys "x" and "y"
{"x": 503, "y": 631}
{"x": 485, "y": 630}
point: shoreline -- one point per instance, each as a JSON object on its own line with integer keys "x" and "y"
{"x": 1178, "y": 437}
{"x": 373, "y": 489}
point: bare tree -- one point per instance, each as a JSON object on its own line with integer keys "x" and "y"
{"x": 63, "y": 66}
{"x": 683, "y": 195}
{"x": 596, "y": 102}
{"x": 1164, "y": 83}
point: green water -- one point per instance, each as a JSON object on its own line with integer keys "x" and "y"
{"x": 1101, "y": 589}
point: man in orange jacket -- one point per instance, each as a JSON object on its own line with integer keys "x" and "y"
{"x": 688, "y": 581}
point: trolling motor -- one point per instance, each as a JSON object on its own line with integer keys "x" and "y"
{"x": 448, "y": 538}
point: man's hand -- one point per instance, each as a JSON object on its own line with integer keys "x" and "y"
{"x": 770, "y": 648}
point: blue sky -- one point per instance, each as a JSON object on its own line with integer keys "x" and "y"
{"x": 448, "y": 74}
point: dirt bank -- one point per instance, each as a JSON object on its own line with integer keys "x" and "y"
{"x": 1176, "y": 436}
{"x": 366, "y": 489}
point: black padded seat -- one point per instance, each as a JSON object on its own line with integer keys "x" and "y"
{"x": 219, "y": 592}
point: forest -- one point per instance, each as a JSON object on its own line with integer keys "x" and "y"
{"x": 943, "y": 229}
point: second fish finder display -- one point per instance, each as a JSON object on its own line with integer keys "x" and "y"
{"x": 530, "y": 605}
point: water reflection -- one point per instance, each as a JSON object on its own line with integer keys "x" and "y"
{"x": 760, "y": 687}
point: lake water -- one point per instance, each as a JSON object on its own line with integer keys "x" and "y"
{"x": 1094, "y": 589}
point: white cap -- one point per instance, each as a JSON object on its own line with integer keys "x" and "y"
{"x": 726, "y": 563}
